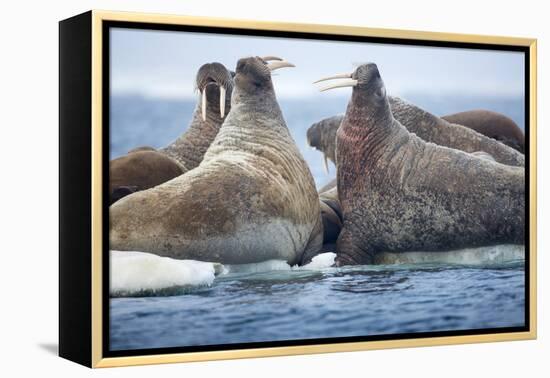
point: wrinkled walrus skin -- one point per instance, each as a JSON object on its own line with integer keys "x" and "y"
{"x": 144, "y": 167}
{"x": 491, "y": 124}
{"x": 251, "y": 199}
{"x": 322, "y": 136}
{"x": 399, "y": 193}
{"x": 466, "y": 137}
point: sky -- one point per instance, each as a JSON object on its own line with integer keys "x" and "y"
{"x": 163, "y": 64}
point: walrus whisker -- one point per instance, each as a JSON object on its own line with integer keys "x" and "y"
{"x": 222, "y": 101}
{"x": 341, "y": 84}
{"x": 279, "y": 64}
{"x": 270, "y": 57}
{"x": 203, "y": 104}
{"x": 337, "y": 76}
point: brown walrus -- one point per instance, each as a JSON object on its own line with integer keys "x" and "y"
{"x": 140, "y": 169}
{"x": 492, "y": 124}
{"x": 215, "y": 83}
{"x": 322, "y": 135}
{"x": 332, "y": 214}
{"x": 144, "y": 167}
{"x": 399, "y": 193}
{"x": 251, "y": 199}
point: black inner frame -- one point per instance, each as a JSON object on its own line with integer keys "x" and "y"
{"x": 106, "y": 89}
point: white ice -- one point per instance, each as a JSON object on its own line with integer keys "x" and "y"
{"x": 133, "y": 272}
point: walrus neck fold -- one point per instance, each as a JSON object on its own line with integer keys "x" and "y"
{"x": 367, "y": 125}
{"x": 189, "y": 148}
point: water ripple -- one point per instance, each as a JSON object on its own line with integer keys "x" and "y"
{"x": 336, "y": 302}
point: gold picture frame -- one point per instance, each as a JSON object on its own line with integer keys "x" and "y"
{"x": 94, "y": 21}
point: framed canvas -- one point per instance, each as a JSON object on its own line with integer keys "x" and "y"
{"x": 197, "y": 221}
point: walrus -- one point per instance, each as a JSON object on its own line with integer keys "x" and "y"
{"x": 140, "y": 169}
{"x": 331, "y": 213}
{"x": 215, "y": 84}
{"x": 322, "y": 135}
{"x": 145, "y": 167}
{"x": 400, "y": 193}
{"x": 251, "y": 199}
{"x": 492, "y": 124}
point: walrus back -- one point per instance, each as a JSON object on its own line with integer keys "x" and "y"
{"x": 437, "y": 130}
{"x": 491, "y": 124}
{"x": 141, "y": 169}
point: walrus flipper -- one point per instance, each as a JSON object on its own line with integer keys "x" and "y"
{"x": 315, "y": 244}
{"x": 331, "y": 213}
{"x": 350, "y": 251}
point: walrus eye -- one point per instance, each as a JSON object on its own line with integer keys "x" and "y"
{"x": 240, "y": 66}
{"x": 380, "y": 92}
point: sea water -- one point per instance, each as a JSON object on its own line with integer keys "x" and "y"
{"x": 272, "y": 301}
{"x": 158, "y": 302}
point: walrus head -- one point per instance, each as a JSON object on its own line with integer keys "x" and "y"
{"x": 322, "y": 137}
{"x": 253, "y": 74}
{"x": 369, "y": 99}
{"x": 316, "y": 140}
{"x": 215, "y": 84}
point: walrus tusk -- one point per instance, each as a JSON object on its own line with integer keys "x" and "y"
{"x": 341, "y": 84}
{"x": 270, "y": 57}
{"x": 203, "y": 104}
{"x": 325, "y": 163}
{"x": 279, "y": 64}
{"x": 222, "y": 101}
{"x": 337, "y": 76}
